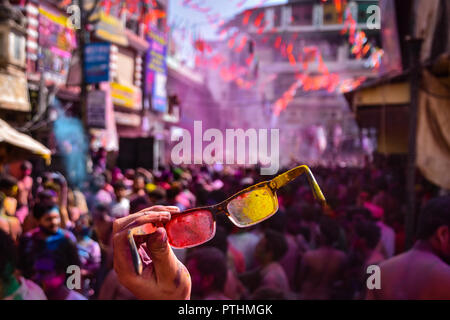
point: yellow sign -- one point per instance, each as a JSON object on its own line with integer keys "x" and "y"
{"x": 126, "y": 96}
{"x": 56, "y": 18}
{"x": 110, "y": 29}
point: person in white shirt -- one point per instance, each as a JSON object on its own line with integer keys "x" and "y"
{"x": 121, "y": 208}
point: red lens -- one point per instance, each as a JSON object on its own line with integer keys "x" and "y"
{"x": 191, "y": 229}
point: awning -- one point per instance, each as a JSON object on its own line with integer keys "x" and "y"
{"x": 12, "y": 137}
{"x": 384, "y": 94}
{"x": 391, "y": 89}
{"x": 14, "y": 93}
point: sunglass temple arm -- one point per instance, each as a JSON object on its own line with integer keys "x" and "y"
{"x": 290, "y": 175}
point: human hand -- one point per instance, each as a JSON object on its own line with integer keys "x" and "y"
{"x": 165, "y": 277}
{"x": 59, "y": 179}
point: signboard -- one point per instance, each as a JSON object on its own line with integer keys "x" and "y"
{"x": 96, "y": 109}
{"x": 56, "y": 41}
{"x": 106, "y": 138}
{"x": 97, "y": 62}
{"x": 110, "y": 29}
{"x": 127, "y": 119}
{"x": 156, "y": 70}
{"x": 127, "y": 96}
{"x": 14, "y": 92}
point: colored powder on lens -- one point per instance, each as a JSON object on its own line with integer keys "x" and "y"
{"x": 191, "y": 228}
{"x": 252, "y": 206}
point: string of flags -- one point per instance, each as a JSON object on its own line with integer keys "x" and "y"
{"x": 299, "y": 58}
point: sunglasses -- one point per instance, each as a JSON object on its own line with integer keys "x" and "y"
{"x": 248, "y": 207}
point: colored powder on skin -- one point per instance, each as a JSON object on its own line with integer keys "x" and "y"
{"x": 177, "y": 280}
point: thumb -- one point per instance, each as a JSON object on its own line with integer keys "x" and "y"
{"x": 158, "y": 247}
{"x": 163, "y": 258}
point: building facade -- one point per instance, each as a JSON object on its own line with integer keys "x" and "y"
{"x": 119, "y": 110}
{"x": 14, "y": 101}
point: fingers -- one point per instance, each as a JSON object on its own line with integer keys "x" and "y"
{"x": 165, "y": 277}
{"x": 123, "y": 263}
{"x": 152, "y": 217}
{"x": 122, "y": 223}
{"x": 172, "y": 209}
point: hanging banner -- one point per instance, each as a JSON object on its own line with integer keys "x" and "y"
{"x": 156, "y": 70}
{"x": 97, "y": 62}
{"x": 96, "y": 109}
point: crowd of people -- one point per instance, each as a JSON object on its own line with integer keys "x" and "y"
{"x": 304, "y": 251}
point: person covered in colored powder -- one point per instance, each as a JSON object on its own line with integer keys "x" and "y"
{"x": 208, "y": 268}
{"x": 48, "y": 247}
{"x": 423, "y": 272}
{"x": 13, "y": 286}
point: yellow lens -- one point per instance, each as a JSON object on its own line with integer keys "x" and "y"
{"x": 253, "y": 207}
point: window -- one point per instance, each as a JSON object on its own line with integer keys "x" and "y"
{"x": 329, "y": 50}
{"x": 330, "y": 16}
{"x": 17, "y": 48}
{"x": 2, "y": 44}
{"x": 161, "y": 22}
{"x": 302, "y": 15}
{"x": 277, "y": 17}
